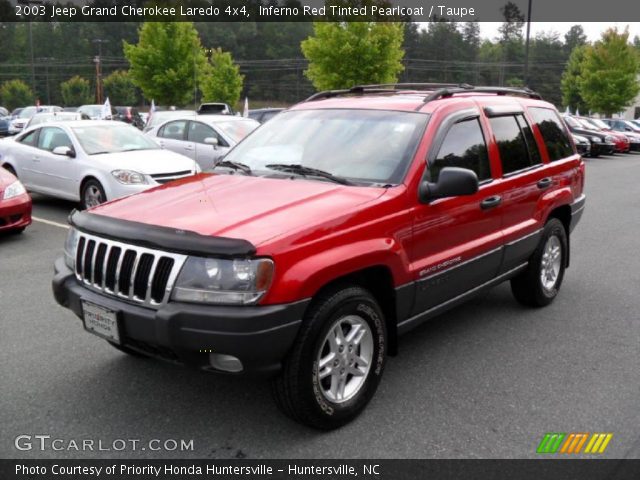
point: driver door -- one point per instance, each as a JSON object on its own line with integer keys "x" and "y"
{"x": 57, "y": 172}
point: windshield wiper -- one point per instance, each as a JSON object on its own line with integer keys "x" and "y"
{"x": 234, "y": 165}
{"x": 302, "y": 170}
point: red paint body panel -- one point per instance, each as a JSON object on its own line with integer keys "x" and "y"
{"x": 15, "y": 212}
{"x": 318, "y": 231}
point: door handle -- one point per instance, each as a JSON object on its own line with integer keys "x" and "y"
{"x": 490, "y": 202}
{"x": 35, "y": 159}
{"x": 545, "y": 183}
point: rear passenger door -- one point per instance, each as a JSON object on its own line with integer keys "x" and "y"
{"x": 524, "y": 180}
{"x": 457, "y": 241}
{"x": 173, "y": 136}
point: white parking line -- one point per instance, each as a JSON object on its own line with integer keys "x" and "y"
{"x": 49, "y": 222}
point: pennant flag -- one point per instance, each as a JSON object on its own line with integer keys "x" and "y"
{"x": 152, "y": 109}
{"x": 245, "y": 111}
{"x": 577, "y": 112}
{"x": 567, "y": 111}
{"x": 106, "y": 110}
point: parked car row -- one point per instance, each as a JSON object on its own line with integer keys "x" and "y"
{"x": 605, "y": 136}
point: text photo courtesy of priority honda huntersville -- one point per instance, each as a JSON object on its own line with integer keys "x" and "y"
{"x": 328, "y": 232}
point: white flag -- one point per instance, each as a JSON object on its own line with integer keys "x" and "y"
{"x": 106, "y": 110}
{"x": 577, "y": 112}
{"x": 245, "y": 111}
{"x": 152, "y": 109}
{"x": 567, "y": 111}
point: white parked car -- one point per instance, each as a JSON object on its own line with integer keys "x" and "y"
{"x": 204, "y": 138}
{"x": 91, "y": 161}
{"x": 49, "y": 117}
{"x": 18, "y": 123}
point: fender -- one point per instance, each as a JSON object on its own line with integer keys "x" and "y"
{"x": 552, "y": 200}
{"x": 328, "y": 265}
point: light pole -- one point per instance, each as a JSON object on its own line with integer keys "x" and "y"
{"x": 526, "y": 46}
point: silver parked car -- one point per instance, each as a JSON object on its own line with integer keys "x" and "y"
{"x": 204, "y": 138}
{"x": 39, "y": 118}
{"x": 22, "y": 118}
{"x": 90, "y": 161}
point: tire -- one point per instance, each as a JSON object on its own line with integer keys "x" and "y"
{"x": 92, "y": 194}
{"x": 304, "y": 390}
{"x": 17, "y": 231}
{"x": 127, "y": 350}
{"x": 528, "y": 287}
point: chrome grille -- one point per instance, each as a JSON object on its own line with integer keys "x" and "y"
{"x": 168, "y": 177}
{"x": 138, "y": 274}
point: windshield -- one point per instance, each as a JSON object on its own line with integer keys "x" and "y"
{"x": 28, "y": 112}
{"x": 587, "y": 124}
{"x": 238, "y": 129}
{"x": 360, "y": 145}
{"x": 600, "y": 123}
{"x": 97, "y": 139}
{"x": 91, "y": 110}
{"x": 631, "y": 125}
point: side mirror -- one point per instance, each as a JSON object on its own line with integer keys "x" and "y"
{"x": 65, "y": 151}
{"x": 452, "y": 182}
{"x": 211, "y": 141}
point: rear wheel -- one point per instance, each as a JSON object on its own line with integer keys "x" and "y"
{"x": 539, "y": 283}
{"x": 92, "y": 194}
{"x": 336, "y": 364}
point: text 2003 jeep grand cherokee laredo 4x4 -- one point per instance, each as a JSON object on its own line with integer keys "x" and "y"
{"x": 339, "y": 225}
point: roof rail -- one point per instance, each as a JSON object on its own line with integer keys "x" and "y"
{"x": 438, "y": 90}
{"x": 384, "y": 88}
{"x": 448, "y": 92}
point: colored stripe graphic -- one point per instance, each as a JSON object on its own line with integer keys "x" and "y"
{"x": 572, "y": 443}
{"x": 550, "y": 442}
{"x": 598, "y": 443}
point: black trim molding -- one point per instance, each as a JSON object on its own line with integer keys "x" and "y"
{"x": 163, "y": 238}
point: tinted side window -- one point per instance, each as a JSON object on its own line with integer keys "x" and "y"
{"x": 553, "y": 132}
{"x": 30, "y": 138}
{"x": 51, "y": 138}
{"x": 463, "y": 147}
{"x": 173, "y": 130}
{"x": 532, "y": 146}
{"x": 512, "y": 145}
{"x": 199, "y": 131}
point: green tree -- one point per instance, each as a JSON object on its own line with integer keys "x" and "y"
{"x": 167, "y": 61}
{"x": 343, "y": 54}
{"x": 222, "y": 81}
{"x": 575, "y": 37}
{"x": 15, "y": 93}
{"x": 120, "y": 89}
{"x": 76, "y": 91}
{"x": 570, "y": 82}
{"x": 609, "y": 79}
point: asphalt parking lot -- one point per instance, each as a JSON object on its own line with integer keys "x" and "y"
{"x": 487, "y": 380}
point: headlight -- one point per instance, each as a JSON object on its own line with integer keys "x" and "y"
{"x": 596, "y": 139}
{"x": 129, "y": 177}
{"x": 70, "y": 246}
{"x": 609, "y": 139}
{"x": 220, "y": 281}
{"x": 13, "y": 190}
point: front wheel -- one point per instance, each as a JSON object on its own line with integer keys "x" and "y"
{"x": 539, "y": 283}
{"x": 92, "y": 194}
{"x": 337, "y": 362}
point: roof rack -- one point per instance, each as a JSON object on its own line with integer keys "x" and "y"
{"x": 438, "y": 90}
{"x": 383, "y": 88}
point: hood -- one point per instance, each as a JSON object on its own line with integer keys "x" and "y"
{"x": 255, "y": 209}
{"x": 149, "y": 162}
{"x": 589, "y": 133}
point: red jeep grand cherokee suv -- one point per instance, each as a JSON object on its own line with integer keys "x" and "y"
{"x": 342, "y": 223}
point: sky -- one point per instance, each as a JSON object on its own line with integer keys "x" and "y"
{"x": 592, "y": 29}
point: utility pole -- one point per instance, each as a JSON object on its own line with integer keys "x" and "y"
{"x": 33, "y": 64}
{"x": 98, "y": 61}
{"x": 526, "y": 46}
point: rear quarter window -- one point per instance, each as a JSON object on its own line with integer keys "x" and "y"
{"x": 555, "y": 136}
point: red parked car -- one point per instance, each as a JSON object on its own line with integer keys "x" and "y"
{"x": 328, "y": 232}
{"x": 621, "y": 141}
{"x": 15, "y": 203}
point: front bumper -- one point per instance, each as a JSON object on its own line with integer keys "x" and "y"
{"x": 602, "y": 148}
{"x": 15, "y": 212}
{"x": 260, "y": 336}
